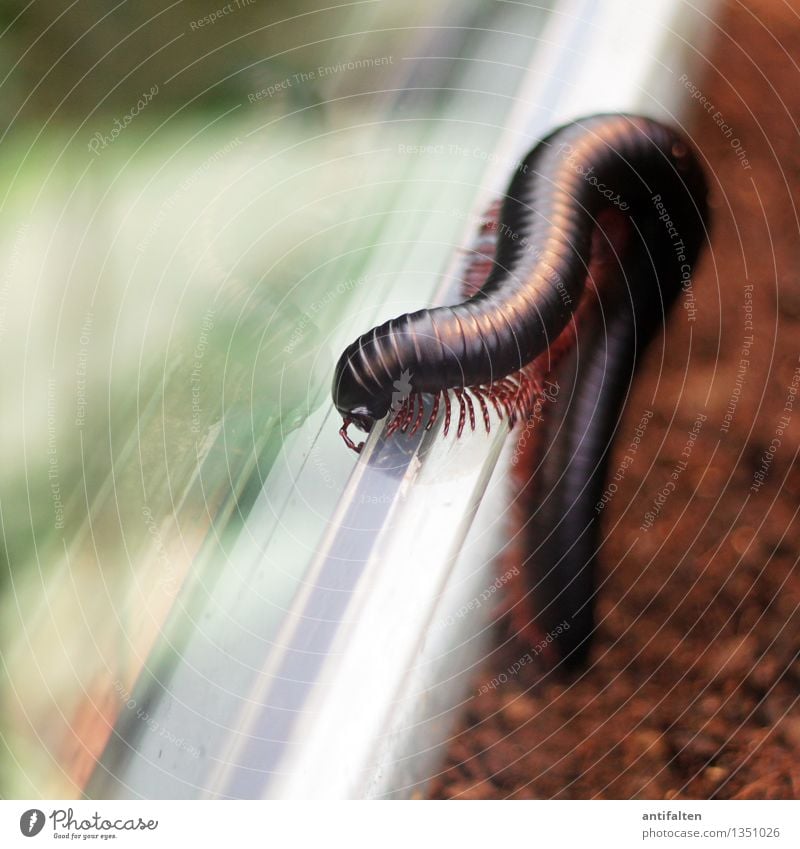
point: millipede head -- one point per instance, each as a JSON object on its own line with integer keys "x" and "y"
{"x": 356, "y": 404}
{"x": 357, "y": 390}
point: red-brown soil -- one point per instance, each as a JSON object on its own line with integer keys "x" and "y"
{"x": 694, "y": 681}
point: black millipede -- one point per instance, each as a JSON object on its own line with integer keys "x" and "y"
{"x": 600, "y": 228}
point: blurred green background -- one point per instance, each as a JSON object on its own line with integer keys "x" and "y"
{"x": 192, "y": 196}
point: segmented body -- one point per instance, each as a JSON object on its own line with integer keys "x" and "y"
{"x": 600, "y": 229}
{"x": 479, "y": 347}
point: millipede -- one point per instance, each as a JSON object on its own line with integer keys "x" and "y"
{"x": 575, "y": 271}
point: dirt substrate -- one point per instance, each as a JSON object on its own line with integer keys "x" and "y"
{"x": 694, "y": 682}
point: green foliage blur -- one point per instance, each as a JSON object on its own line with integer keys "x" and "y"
{"x": 66, "y": 61}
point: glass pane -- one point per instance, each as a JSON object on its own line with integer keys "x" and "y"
{"x": 187, "y": 250}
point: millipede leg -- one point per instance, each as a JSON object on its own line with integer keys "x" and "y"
{"x": 518, "y": 397}
{"x": 420, "y": 411}
{"x": 434, "y": 411}
{"x": 503, "y": 396}
{"x": 395, "y": 422}
{"x": 408, "y": 416}
{"x": 478, "y": 393}
{"x": 491, "y": 394}
{"x": 519, "y": 400}
{"x": 498, "y": 397}
{"x": 462, "y": 412}
{"x": 529, "y": 391}
{"x": 470, "y": 408}
{"x": 447, "y": 411}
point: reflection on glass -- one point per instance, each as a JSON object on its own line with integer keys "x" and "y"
{"x": 185, "y": 242}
